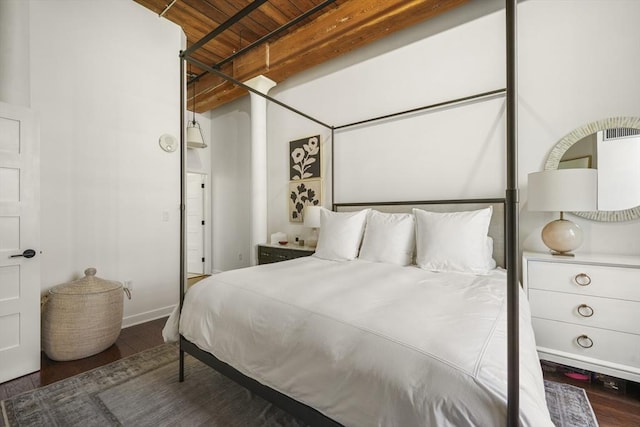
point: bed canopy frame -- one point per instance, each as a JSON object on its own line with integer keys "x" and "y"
{"x": 511, "y": 201}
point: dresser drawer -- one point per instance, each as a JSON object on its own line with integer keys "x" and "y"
{"x": 597, "y": 280}
{"x": 607, "y": 346}
{"x": 598, "y": 312}
{"x": 269, "y": 254}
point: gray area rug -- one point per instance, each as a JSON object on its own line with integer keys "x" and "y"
{"x": 143, "y": 390}
{"x": 569, "y": 405}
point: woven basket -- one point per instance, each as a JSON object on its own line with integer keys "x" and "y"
{"x": 81, "y": 318}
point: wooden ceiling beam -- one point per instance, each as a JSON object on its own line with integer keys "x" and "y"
{"x": 350, "y": 25}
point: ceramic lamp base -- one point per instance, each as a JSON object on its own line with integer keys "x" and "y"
{"x": 562, "y": 236}
{"x": 312, "y": 240}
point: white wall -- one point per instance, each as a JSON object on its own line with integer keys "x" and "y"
{"x": 230, "y": 184}
{"x": 105, "y": 83}
{"x": 579, "y": 69}
{"x": 565, "y": 81}
{"x": 15, "y": 86}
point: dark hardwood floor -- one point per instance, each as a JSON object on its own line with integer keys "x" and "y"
{"x": 612, "y": 409}
{"x": 131, "y": 340}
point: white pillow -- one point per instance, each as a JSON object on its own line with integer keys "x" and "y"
{"x": 389, "y": 237}
{"x": 340, "y": 234}
{"x": 490, "y": 262}
{"x": 453, "y": 241}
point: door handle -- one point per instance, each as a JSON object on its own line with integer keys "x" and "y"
{"x": 28, "y": 253}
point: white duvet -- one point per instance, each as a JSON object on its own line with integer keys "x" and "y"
{"x": 370, "y": 344}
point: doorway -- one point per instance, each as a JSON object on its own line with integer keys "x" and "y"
{"x": 196, "y": 224}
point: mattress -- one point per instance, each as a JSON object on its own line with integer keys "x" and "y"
{"x": 369, "y": 344}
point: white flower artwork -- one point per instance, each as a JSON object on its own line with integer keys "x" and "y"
{"x": 304, "y": 158}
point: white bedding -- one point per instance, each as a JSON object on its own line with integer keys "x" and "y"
{"x": 369, "y": 344}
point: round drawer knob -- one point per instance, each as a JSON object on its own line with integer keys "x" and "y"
{"x": 582, "y": 279}
{"x": 584, "y": 341}
{"x": 585, "y": 311}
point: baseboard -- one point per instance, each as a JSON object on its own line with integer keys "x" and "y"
{"x": 136, "y": 319}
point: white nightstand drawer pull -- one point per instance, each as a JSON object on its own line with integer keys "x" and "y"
{"x": 584, "y": 341}
{"x": 582, "y": 279}
{"x": 585, "y": 311}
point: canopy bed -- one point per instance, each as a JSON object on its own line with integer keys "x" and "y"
{"x": 453, "y": 367}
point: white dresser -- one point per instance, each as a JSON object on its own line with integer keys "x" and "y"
{"x": 586, "y": 311}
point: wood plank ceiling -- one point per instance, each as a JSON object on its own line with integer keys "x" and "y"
{"x": 266, "y": 41}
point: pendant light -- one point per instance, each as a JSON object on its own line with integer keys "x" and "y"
{"x": 194, "y": 133}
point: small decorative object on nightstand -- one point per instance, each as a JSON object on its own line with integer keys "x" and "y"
{"x": 276, "y": 253}
{"x": 586, "y": 311}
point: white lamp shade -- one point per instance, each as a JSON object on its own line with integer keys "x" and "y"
{"x": 194, "y": 136}
{"x": 312, "y": 216}
{"x": 563, "y": 190}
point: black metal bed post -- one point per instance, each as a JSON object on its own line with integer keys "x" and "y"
{"x": 333, "y": 187}
{"x": 512, "y": 197}
{"x": 183, "y": 201}
{"x": 453, "y": 102}
{"x": 252, "y": 90}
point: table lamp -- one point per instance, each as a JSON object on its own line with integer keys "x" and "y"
{"x": 563, "y": 190}
{"x": 311, "y": 218}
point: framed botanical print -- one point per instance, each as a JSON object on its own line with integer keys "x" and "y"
{"x": 304, "y": 158}
{"x": 301, "y": 194}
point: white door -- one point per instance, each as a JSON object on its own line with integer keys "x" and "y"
{"x": 19, "y": 234}
{"x": 195, "y": 223}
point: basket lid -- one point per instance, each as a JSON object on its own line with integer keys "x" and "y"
{"x": 89, "y": 284}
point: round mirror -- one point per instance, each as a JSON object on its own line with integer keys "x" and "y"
{"x": 613, "y": 147}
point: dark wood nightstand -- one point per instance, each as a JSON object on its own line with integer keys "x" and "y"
{"x": 275, "y": 253}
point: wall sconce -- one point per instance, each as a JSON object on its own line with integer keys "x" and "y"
{"x": 563, "y": 190}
